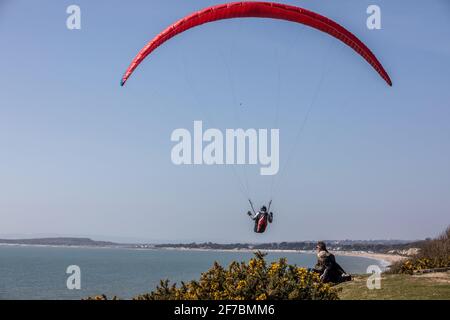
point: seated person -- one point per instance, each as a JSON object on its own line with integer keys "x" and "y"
{"x": 327, "y": 267}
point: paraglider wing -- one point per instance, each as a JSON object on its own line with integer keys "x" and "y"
{"x": 259, "y": 10}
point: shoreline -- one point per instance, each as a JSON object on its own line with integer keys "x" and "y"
{"x": 384, "y": 258}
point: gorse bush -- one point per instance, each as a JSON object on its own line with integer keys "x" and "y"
{"x": 255, "y": 280}
{"x": 433, "y": 254}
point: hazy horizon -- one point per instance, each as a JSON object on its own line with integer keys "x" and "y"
{"x": 125, "y": 239}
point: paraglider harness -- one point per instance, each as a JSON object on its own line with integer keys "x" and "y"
{"x": 261, "y": 226}
{"x": 261, "y": 218}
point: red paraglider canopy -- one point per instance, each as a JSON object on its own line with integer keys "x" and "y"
{"x": 259, "y": 10}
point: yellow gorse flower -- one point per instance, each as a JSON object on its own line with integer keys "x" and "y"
{"x": 253, "y": 281}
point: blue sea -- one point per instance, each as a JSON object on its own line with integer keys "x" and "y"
{"x": 30, "y": 272}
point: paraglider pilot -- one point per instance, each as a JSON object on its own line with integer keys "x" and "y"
{"x": 262, "y": 218}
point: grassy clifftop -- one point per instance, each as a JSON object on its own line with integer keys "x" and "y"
{"x": 433, "y": 286}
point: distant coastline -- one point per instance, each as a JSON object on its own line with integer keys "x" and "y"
{"x": 384, "y": 253}
{"x": 59, "y": 241}
{"x": 385, "y": 259}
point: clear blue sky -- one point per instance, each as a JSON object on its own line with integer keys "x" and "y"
{"x": 79, "y": 155}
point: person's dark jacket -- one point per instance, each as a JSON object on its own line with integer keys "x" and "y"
{"x": 328, "y": 269}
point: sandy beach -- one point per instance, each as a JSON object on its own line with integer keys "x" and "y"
{"x": 388, "y": 259}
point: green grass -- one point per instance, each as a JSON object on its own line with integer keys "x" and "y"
{"x": 399, "y": 287}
